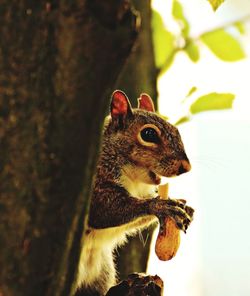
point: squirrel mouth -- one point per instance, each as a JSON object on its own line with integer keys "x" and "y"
{"x": 156, "y": 179}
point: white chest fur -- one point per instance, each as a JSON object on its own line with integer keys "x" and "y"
{"x": 137, "y": 182}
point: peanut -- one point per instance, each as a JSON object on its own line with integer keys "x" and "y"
{"x": 168, "y": 242}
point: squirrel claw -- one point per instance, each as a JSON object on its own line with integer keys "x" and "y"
{"x": 175, "y": 209}
{"x": 182, "y": 218}
{"x": 190, "y": 211}
{"x": 162, "y": 229}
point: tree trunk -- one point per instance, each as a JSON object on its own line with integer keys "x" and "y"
{"x": 58, "y": 63}
{"x": 139, "y": 75}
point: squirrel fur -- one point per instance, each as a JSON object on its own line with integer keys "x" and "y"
{"x": 138, "y": 147}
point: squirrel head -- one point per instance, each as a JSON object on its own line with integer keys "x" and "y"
{"x": 145, "y": 139}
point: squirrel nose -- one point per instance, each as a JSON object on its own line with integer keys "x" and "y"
{"x": 184, "y": 167}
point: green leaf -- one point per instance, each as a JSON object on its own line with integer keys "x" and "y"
{"x": 240, "y": 27}
{"x": 192, "y": 51}
{"x": 164, "y": 41}
{"x": 183, "y": 119}
{"x": 191, "y": 91}
{"x": 223, "y": 45}
{"x": 212, "y": 101}
{"x": 189, "y": 94}
{"x": 178, "y": 14}
{"x": 168, "y": 63}
{"x": 216, "y": 3}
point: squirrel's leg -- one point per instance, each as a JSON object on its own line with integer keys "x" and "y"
{"x": 106, "y": 279}
{"x": 96, "y": 272}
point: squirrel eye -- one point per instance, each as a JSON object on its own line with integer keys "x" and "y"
{"x": 150, "y": 135}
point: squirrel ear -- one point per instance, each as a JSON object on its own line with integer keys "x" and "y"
{"x": 145, "y": 102}
{"x": 120, "y": 107}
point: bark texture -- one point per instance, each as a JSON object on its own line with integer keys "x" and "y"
{"x": 139, "y": 75}
{"x": 58, "y": 64}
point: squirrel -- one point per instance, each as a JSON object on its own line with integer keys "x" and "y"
{"x": 138, "y": 147}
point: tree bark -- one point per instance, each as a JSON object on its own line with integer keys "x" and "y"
{"x": 58, "y": 63}
{"x": 139, "y": 75}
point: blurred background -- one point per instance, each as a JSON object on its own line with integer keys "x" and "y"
{"x": 214, "y": 256}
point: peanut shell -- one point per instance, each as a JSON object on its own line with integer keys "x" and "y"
{"x": 168, "y": 242}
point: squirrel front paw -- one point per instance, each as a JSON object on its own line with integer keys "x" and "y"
{"x": 174, "y": 208}
{"x": 182, "y": 221}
